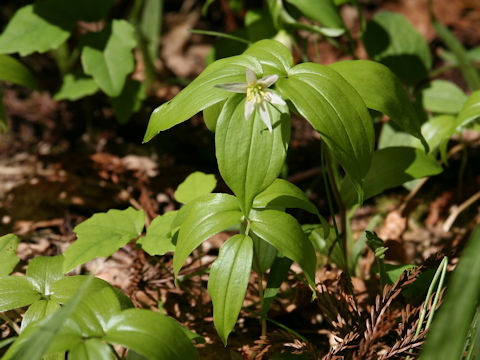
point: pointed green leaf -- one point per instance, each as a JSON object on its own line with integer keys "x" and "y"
{"x": 324, "y": 11}
{"x": 108, "y": 57}
{"x": 91, "y": 349}
{"x": 249, "y": 156}
{"x": 382, "y": 91}
{"x": 446, "y": 338}
{"x": 283, "y": 194}
{"x": 15, "y": 72}
{"x": 278, "y": 273}
{"x": 76, "y": 87}
{"x": 34, "y": 342}
{"x": 393, "y": 41}
{"x": 102, "y": 235}
{"x": 264, "y": 252}
{"x": 470, "y": 110}
{"x": 45, "y": 271}
{"x": 195, "y": 185}
{"x": 201, "y": 93}
{"x": 228, "y": 282}
{"x": 158, "y": 240}
{"x": 441, "y": 96}
{"x": 150, "y": 334}
{"x": 31, "y": 30}
{"x": 336, "y": 111}
{"x": 39, "y": 310}
{"x": 211, "y": 114}
{"x": 392, "y": 166}
{"x": 129, "y": 101}
{"x": 8, "y": 253}
{"x": 285, "y": 233}
{"x": 17, "y": 291}
{"x": 210, "y": 214}
{"x": 274, "y": 57}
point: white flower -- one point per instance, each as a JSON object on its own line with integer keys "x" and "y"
{"x": 257, "y": 95}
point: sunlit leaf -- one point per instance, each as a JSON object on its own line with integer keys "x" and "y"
{"x": 39, "y": 310}
{"x": 45, "y": 271}
{"x": 195, "y": 185}
{"x": 15, "y": 72}
{"x": 441, "y": 96}
{"x": 8, "y": 253}
{"x": 228, "y": 282}
{"x": 17, "y": 291}
{"x": 470, "y": 110}
{"x": 324, "y": 11}
{"x": 158, "y": 240}
{"x": 74, "y": 88}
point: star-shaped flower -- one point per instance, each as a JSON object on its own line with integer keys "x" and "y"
{"x": 258, "y": 95}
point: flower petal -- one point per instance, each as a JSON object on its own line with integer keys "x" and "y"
{"x": 236, "y": 87}
{"x": 249, "y": 107}
{"x": 265, "y": 115}
{"x": 251, "y": 77}
{"x": 273, "y": 98}
{"x": 268, "y": 81}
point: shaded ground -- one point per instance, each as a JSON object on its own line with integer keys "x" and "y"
{"x": 62, "y": 162}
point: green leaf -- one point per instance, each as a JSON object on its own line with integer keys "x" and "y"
{"x": 34, "y": 342}
{"x": 469, "y": 72}
{"x": 250, "y": 157}
{"x": 31, "y": 30}
{"x": 264, "y": 254}
{"x": 392, "y": 166}
{"x": 107, "y": 56}
{"x": 129, "y": 101}
{"x": 210, "y": 214}
{"x": 283, "y": 194}
{"x": 201, "y": 93}
{"x": 150, "y": 27}
{"x": 91, "y": 349}
{"x": 324, "y": 11}
{"x": 441, "y": 96}
{"x": 195, "y": 185}
{"x": 228, "y": 282}
{"x": 382, "y": 91}
{"x": 8, "y": 253}
{"x": 17, "y": 291}
{"x": 259, "y": 25}
{"x": 211, "y": 114}
{"x": 76, "y": 87}
{"x": 72, "y": 10}
{"x": 15, "y": 72}
{"x": 278, "y": 273}
{"x": 274, "y": 57}
{"x": 150, "y": 334}
{"x": 470, "y": 110}
{"x": 39, "y": 310}
{"x": 336, "y": 111}
{"x": 102, "y": 235}
{"x": 285, "y": 233}
{"x": 446, "y": 338}
{"x": 45, "y": 271}
{"x": 393, "y": 41}
{"x": 158, "y": 240}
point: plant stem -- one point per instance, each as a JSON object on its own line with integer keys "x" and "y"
{"x": 263, "y": 320}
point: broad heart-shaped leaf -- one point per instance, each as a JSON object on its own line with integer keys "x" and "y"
{"x": 29, "y": 31}
{"x": 150, "y": 334}
{"x": 324, "y": 11}
{"x": 393, "y": 41}
{"x": 381, "y": 90}
{"x": 34, "y": 342}
{"x": 209, "y": 214}
{"x": 45, "y": 271}
{"x": 228, "y": 282}
{"x": 201, "y": 93}
{"x": 195, "y": 185}
{"x": 102, "y": 235}
{"x": 17, "y": 291}
{"x": 441, "y": 96}
{"x": 39, "y": 310}
{"x": 91, "y": 349}
{"x": 15, "y": 72}
{"x": 274, "y": 57}
{"x": 283, "y": 194}
{"x": 285, "y": 233}
{"x": 8, "y": 253}
{"x": 336, "y": 111}
{"x": 108, "y": 57}
{"x": 470, "y": 110}
{"x": 75, "y": 87}
{"x": 446, "y": 337}
{"x": 158, "y": 240}
{"x": 392, "y": 166}
{"x": 249, "y": 156}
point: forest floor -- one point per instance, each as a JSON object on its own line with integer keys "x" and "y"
{"x": 62, "y": 162}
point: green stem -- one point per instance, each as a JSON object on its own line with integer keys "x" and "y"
{"x": 263, "y": 320}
